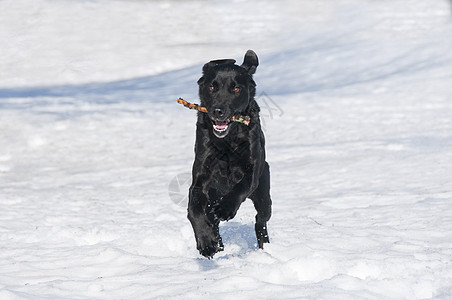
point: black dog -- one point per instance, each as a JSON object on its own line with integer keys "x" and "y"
{"x": 229, "y": 161}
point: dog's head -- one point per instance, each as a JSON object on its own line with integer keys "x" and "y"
{"x": 226, "y": 89}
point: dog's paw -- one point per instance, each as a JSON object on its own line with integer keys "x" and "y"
{"x": 262, "y": 235}
{"x": 208, "y": 247}
{"x": 226, "y": 208}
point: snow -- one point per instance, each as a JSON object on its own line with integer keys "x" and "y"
{"x": 355, "y": 99}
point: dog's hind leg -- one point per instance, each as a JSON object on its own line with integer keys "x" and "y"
{"x": 263, "y": 204}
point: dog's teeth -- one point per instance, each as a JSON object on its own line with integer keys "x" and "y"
{"x": 220, "y": 130}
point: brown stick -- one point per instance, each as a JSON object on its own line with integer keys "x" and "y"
{"x": 191, "y": 106}
{"x": 238, "y": 118}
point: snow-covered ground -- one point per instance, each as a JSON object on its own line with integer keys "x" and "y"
{"x": 357, "y": 108}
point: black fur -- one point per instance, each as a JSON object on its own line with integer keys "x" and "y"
{"x": 229, "y": 163}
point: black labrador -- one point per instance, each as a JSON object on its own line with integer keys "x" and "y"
{"x": 229, "y": 161}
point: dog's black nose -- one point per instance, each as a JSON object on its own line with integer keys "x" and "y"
{"x": 218, "y": 112}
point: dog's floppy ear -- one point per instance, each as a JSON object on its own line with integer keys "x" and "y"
{"x": 217, "y": 62}
{"x": 212, "y": 64}
{"x": 250, "y": 62}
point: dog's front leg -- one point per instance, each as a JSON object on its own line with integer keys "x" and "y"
{"x": 229, "y": 204}
{"x": 204, "y": 223}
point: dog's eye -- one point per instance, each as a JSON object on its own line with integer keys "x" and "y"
{"x": 211, "y": 88}
{"x": 236, "y": 89}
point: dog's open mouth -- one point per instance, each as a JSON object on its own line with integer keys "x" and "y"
{"x": 221, "y": 125}
{"x": 220, "y": 128}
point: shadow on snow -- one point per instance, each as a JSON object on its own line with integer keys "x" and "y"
{"x": 314, "y": 67}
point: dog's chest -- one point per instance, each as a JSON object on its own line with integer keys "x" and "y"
{"x": 229, "y": 164}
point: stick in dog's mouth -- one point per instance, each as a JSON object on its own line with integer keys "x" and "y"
{"x": 236, "y": 118}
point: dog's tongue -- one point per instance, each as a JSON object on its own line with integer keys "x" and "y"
{"x": 221, "y": 124}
